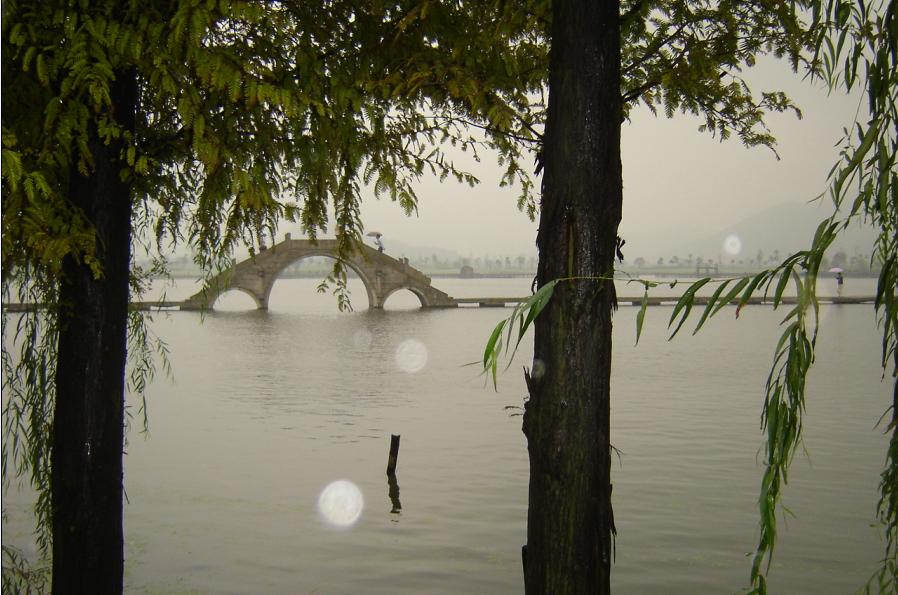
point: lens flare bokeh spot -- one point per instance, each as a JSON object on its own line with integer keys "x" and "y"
{"x": 732, "y": 245}
{"x": 340, "y": 503}
{"x": 411, "y": 356}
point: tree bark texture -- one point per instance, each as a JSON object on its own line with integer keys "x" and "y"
{"x": 88, "y": 427}
{"x": 567, "y": 414}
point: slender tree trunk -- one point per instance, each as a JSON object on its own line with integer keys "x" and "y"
{"x": 88, "y": 428}
{"x": 567, "y": 415}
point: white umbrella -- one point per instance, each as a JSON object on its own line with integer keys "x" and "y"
{"x": 836, "y": 270}
{"x": 374, "y": 234}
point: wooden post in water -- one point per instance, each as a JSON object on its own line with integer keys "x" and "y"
{"x": 394, "y": 454}
{"x": 391, "y": 474}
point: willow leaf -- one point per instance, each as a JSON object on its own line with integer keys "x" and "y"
{"x": 640, "y": 316}
{"x": 867, "y": 139}
{"x": 684, "y": 304}
{"x": 731, "y": 294}
{"x": 752, "y": 285}
{"x": 535, "y": 305}
{"x": 491, "y": 345}
{"x": 781, "y": 286}
{"x": 710, "y": 305}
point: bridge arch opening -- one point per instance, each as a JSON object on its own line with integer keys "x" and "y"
{"x": 295, "y": 289}
{"x": 404, "y": 299}
{"x": 236, "y": 300}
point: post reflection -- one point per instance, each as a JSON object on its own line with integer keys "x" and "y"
{"x": 391, "y": 474}
{"x": 394, "y": 493}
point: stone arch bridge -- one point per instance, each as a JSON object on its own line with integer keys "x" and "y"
{"x": 381, "y": 274}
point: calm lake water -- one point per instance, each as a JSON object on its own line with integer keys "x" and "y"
{"x": 265, "y": 409}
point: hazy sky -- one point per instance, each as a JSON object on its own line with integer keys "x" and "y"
{"x": 674, "y": 178}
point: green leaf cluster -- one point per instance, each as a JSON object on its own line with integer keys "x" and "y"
{"x": 250, "y": 113}
{"x": 690, "y": 57}
{"x": 854, "y": 44}
{"x": 20, "y": 576}
{"x": 254, "y": 112}
{"x": 784, "y": 401}
{"x": 522, "y": 316}
{"x": 857, "y": 48}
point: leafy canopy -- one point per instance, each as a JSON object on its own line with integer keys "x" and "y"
{"x": 853, "y": 45}
{"x": 250, "y": 112}
{"x": 253, "y": 112}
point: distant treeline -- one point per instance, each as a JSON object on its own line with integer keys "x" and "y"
{"x": 520, "y": 265}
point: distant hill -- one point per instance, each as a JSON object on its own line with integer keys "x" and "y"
{"x": 784, "y": 228}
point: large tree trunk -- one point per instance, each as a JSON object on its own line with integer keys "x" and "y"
{"x": 88, "y": 427}
{"x": 567, "y": 415}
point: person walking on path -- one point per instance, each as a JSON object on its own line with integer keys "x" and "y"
{"x": 840, "y": 281}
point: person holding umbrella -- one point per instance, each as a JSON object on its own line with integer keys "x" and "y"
{"x": 377, "y": 240}
{"x": 840, "y": 280}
